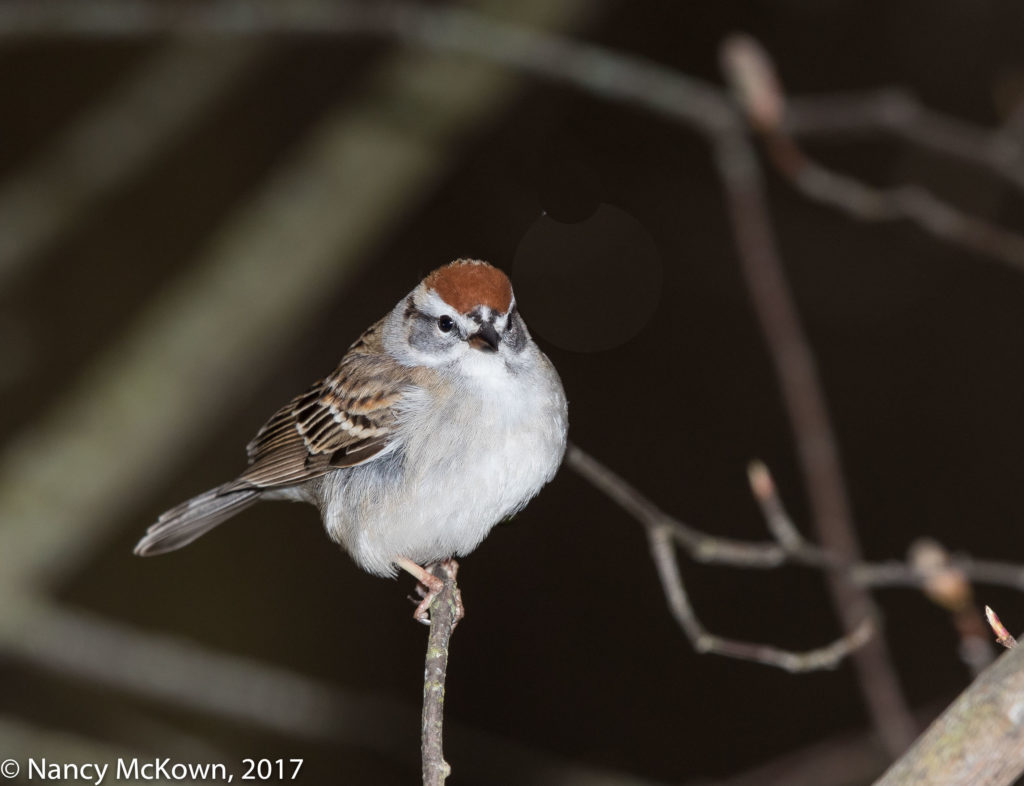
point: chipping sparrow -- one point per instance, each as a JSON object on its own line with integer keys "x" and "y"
{"x": 441, "y": 420}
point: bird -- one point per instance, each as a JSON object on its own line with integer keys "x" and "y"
{"x": 442, "y": 419}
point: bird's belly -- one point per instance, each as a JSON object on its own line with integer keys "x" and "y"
{"x": 448, "y": 484}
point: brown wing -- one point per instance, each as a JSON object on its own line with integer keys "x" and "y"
{"x": 342, "y": 420}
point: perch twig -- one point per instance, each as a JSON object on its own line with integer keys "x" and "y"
{"x": 443, "y": 616}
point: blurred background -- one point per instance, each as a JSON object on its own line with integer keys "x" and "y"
{"x": 193, "y": 228}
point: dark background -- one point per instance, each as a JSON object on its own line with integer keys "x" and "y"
{"x": 568, "y": 646}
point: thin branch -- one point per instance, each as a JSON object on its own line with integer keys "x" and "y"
{"x": 943, "y": 577}
{"x": 812, "y": 430}
{"x": 929, "y": 566}
{"x": 802, "y": 393}
{"x": 897, "y": 113}
{"x": 664, "y": 555}
{"x": 701, "y": 546}
{"x": 779, "y": 522}
{"x": 759, "y": 89}
{"x": 895, "y": 573}
{"x": 444, "y": 614}
{"x": 908, "y": 202}
{"x": 665, "y": 532}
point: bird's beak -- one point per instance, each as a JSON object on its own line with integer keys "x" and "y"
{"x": 486, "y": 338}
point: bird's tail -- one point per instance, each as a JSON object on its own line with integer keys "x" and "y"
{"x": 182, "y": 524}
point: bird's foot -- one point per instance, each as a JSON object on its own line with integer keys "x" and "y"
{"x": 429, "y": 587}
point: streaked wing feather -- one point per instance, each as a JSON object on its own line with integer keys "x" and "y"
{"x": 343, "y": 420}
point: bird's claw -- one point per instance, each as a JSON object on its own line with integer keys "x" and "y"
{"x": 429, "y": 591}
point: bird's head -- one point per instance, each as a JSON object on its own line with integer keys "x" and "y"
{"x": 458, "y": 314}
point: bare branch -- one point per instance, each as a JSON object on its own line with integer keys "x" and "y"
{"x": 712, "y": 549}
{"x": 812, "y": 430}
{"x": 909, "y": 202}
{"x": 665, "y": 532}
{"x": 979, "y": 740}
{"x": 894, "y": 573}
{"x": 756, "y": 84}
{"x": 930, "y": 568}
{"x": 444, "y": 614}
{"x": 766, "y": 493}
{"x": 664, "y": 555}
{"x": 895, "y": 112}
{"x": 700, "y": 545}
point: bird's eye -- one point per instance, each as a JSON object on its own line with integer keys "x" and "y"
{"x": 445, "y": 323}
